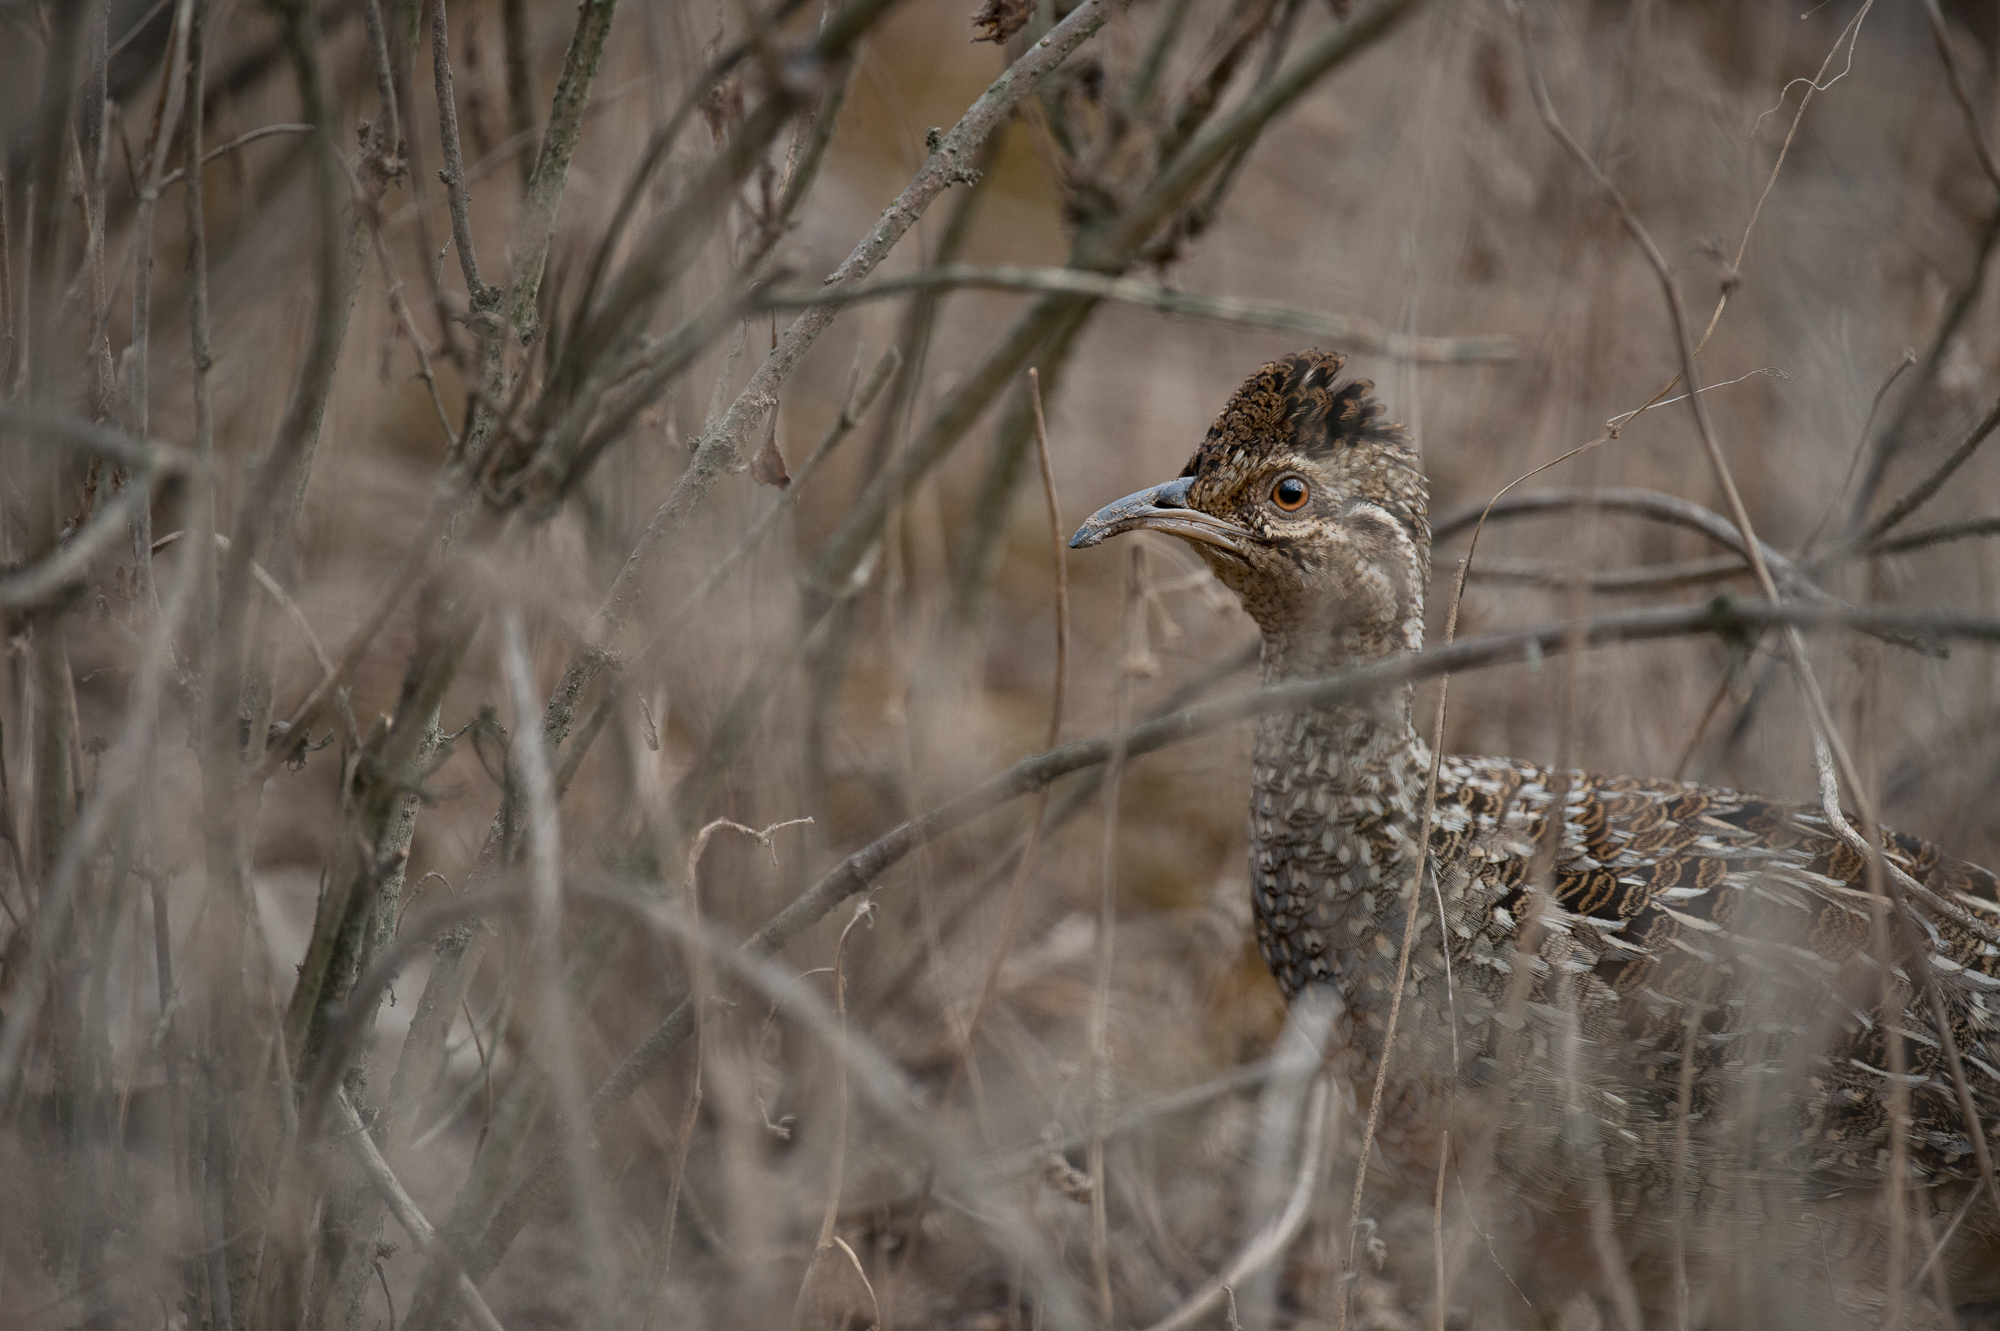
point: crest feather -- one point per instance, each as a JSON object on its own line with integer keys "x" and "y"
{"x": 1298, "y": 404}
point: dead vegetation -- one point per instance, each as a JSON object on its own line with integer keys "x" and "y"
{"x": 516, "y": 688}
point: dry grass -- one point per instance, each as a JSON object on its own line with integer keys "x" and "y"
{"x": 197, "y": 918}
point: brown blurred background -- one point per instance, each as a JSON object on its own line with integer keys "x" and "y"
{"x": 1416, "y": 188}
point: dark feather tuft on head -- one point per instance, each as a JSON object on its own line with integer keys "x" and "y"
{"x": 1297, "y": 404}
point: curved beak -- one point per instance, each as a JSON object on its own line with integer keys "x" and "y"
{"x": 1163, "y": 508}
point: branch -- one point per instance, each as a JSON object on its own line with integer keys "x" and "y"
{"x": 1936, "y": 534}
{"x": 857, "y": 405}
{"x": 950, "y": 162}
{"x": 1661, "y": 508}
{"x": 453, "y": 175}
{"x": 1889, "y": 443}
{"x": 1271, "y": 1241}
{"x": 1360, "y": 335}
{"x": 179, "y": 173}
{"x": 1930, "y": 485}
{"x": 1652, "y": 504}
{"x": 422, "y": 1233}
{"x": 1207, "y": 152}
{"x": 545, "y": 185}
{"x": 40, "y": 583}
{"x": 86, "y": 437}
{"x": 1942, "y": 36}
{"x": 399, "y": 582}
{"x": 271, "y": 589}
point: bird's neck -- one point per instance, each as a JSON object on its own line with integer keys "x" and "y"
{"x": 1336, "y": 805}
{"x": 1377, "y": 735}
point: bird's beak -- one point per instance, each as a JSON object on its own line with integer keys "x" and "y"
{"x": 1163, "y": 508}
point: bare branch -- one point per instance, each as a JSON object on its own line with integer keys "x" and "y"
{"x": 422, "y": 1233}
{"x": 947, "y": 164}
{"x": 1357, "y": 335}
{"x": 43, "y": 582}
{"x": 1942, "y": 35}
{"x": 1276, "y": 1236}
{"x": 86, "y": 437}
{"x": 179, "y": 173}
{"x": 453, "y": 175}
{"x": 1931, "y": 484}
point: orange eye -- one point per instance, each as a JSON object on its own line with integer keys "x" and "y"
{"x": 1290, "y": 494}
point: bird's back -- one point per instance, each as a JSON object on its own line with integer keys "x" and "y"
{"x": 1678, "y": 907}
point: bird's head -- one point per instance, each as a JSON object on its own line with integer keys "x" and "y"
{"x": 1309, "y": 505}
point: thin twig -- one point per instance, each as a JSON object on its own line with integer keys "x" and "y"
{"x": 48, "y": 579}
{"x": 1271, "y": 1241}
{"x": 399, "y": 582}
{"x": 1437, "y": 1232}
{"x": 850, "y": 415}
{"x": 1942, "y": 36}
{"x": 721, "y": 446}
{"x": 401, "y": 309}
{"x": 271, "y": 589}
{"x": 544, "y": 846}
{"x": 422, "y": 1233}
{"x": 830, "y": 1243}
{"x": 1010, "y": 911}
{"x": 1359, "y": 335}
{"x": 1922, "y": 492}
{"x": 1891, "y": 440}
{"x": 179, "y": 173}
{"x": 1903, "y": 362}
{"x": 1132, "y": 646}
{"x": 453, "y": 175}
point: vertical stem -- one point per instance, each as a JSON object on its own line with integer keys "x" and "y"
{"x": 388, "y": 136}
{"x": 1010, "y": 917}
{"x": 197, "y": 251}
{"x": 520, "y": 86}
{"x": 47, "y": 198}
{"x": 453, "y": 174}
{"x": 1107, "y": 923}
{"x": 827, "y": 665}
{"x": 555, "y": 1018}
{"x": 1437, "y": 1234}
{"x": 96, "y": 109}
{"x": 45, "y": 479}
{"x": 546, "y": 181}
{"x": 979, "y": 552}
{"x": 9, "y": 335}
{"x": 139, "y": 388}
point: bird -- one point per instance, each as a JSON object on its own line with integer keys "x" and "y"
{"x": 1658, "y": 1005}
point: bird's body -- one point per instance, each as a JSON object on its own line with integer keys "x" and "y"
{"x": 1686, "y": 1024}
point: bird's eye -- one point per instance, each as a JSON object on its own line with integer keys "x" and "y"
{"x": 1290, "y": 494}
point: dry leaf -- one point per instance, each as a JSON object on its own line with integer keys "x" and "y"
{"x": 998, "y": 20}
{"x": 768, "y": 467}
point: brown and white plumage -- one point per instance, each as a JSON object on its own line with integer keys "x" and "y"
{"x": 1673, "y": 910}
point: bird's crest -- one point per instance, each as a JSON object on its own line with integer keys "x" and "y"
{"x": 1297, "y": 404}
